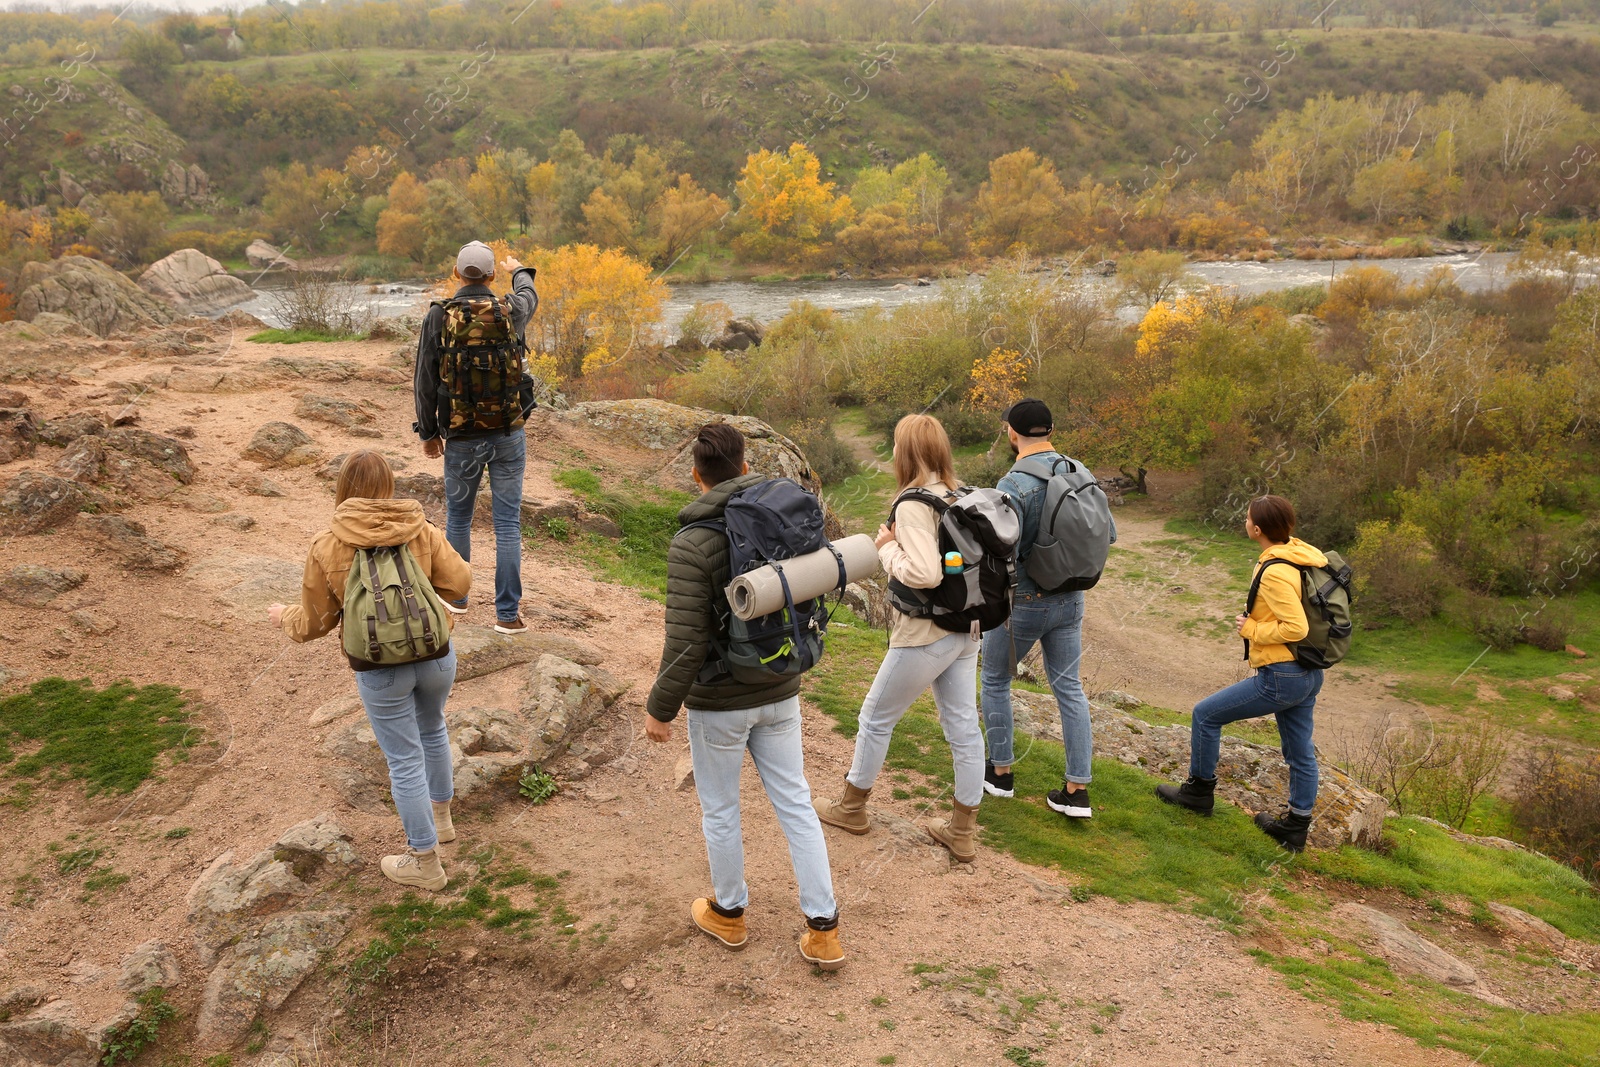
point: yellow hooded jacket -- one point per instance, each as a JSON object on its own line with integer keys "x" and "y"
{"x": 1279, "y": 617}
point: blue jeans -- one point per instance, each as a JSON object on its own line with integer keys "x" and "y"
{"x": 717, "y": 744}
{"x": 950, "y": 667}
{"x": 405, "y": 706}
{"x": 505, "y": 456}
{"x": 1056, "y": 624}
{"x": 1286, "y": 690}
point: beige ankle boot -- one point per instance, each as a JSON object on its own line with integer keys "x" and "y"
{"x": 849, "y": 812}
{"x": 418, "y": 870}
{"x": 442, "y": 825}
{"x": 958, "y": 833}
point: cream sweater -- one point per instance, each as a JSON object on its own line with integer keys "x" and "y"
{"x": 913, "y": 558}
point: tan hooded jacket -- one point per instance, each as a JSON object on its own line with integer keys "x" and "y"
{"x": 361, "y": 522}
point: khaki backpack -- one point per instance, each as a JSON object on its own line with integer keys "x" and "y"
{"x": 482, "y": 369}
{"x": 391, "y": 613}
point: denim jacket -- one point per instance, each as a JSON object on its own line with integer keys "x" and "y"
{"x": 1026, "y": 493}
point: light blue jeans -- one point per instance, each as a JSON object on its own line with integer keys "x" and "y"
{"x": 1287, "y": 691}
{"x": 505, "y": 456}
{"x": 1055, "y": 623}
{"x": 771, "y": 733}
{"x": 950, "y": 666}
{"x": 405, "y": 706}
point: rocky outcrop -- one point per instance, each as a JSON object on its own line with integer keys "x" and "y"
{"x": 185, "y": 185}
{"x": 1406, "y": 950}
{"x": 34, "y": 586}
{"x": 19, "y": 434}
{"x": 50, "y": 1036}
{"x": 152, "y": 965}
{"x": 167, "y": 454}
{"x": 333, "y": 411}
{"x": 1253, "y": 777}
{"x": 282, "y": 444}
{"x": 90, "y": 293}
{"x": 32, "y": 502}
{"x": 738, "y": 335}
{"x": 260, "y": 972}
{"x": 194, "y": 283}
{"x": 310, "y": 368}
{"x": 670, "y": 429}
{"x": 67, "y": 429}
{"x": 249, "y": 583}
{"x": 263, "y": 256}
{"x": 132, "y": 543}
{"x": 132, "y": 463}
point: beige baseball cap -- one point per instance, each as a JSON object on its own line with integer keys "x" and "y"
{"x": 475, "y": 261}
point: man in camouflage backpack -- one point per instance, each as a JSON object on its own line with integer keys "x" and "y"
{"x": 473, "y": 393}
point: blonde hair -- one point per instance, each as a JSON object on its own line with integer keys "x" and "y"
{"x": 922, "y": 448}
{"x": 364, "y": 474}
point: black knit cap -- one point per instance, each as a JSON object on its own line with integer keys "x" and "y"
{"x": 1030, "y": 417}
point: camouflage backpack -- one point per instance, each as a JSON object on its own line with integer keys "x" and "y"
{"x": 481, "y": 367}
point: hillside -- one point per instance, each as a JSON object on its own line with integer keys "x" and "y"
{"x": 1146, "y": 937}
{"x": 1124, "y": 109}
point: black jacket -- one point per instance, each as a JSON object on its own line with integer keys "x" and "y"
{"x": 431, "y": 421}
{"x": 697, "y": 572}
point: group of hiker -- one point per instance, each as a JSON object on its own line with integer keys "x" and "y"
{"x": 977, "y": 577}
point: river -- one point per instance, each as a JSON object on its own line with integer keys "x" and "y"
{"x": 768, "y": 301}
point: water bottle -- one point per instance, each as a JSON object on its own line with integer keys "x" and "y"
{"x": 953, "y": 563}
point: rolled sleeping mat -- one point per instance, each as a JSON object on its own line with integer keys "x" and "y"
{"x": 760, "y": 592}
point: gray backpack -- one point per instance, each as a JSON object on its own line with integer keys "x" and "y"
{"x": 1075, "y": 528}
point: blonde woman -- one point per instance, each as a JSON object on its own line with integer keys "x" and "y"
{"x": 404, "y": 703}
{"x": 921, "y": 653}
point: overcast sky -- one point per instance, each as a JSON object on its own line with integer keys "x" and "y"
{"x": 148, "y": 5}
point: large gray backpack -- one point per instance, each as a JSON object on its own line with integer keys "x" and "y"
{"x": 1075, "y": 528}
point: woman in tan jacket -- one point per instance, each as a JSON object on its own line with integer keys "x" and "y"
{"x": 921, "y": 653}
{"x": 405, "y": 703}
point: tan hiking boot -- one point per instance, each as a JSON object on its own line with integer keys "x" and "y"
{"x": 443, "y": 825}
{"x": 419, "y": 870}
{"x": 822, "y": 948}
{"x": 958, "y": 832}
{"x": 729, "y": 929}
{"x": 849, "y": 812}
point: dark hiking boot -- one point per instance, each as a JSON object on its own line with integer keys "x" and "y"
{"x": 1196, "y": 794}
{"x": 1074, "y": 805}
{"x": 999, "y": 785}
{"x": 1286, "y": 828}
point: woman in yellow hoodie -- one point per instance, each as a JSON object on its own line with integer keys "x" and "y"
{"x": 405, "y": 703}
{"x": 1280, "y": 686}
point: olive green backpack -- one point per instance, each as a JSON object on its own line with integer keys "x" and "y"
{"x": 391, "y": 613}
{"x": 1325, "y": 594}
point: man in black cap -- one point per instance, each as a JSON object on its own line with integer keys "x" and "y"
{"x": 1053, "y": 620}
{"x": 473, "y": 395}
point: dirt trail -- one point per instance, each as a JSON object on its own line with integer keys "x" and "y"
{"x": 1008, "y": 961}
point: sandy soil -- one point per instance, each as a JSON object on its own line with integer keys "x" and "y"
{"x": 1020, "y": 965}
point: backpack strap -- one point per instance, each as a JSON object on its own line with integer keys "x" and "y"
{"x": 1039, "y": 467}
{"x": 413, "y": 608}
{"x": 1255, "y": 587}
{"x": 921, "y": 496}
{"x": 380, "y": 609}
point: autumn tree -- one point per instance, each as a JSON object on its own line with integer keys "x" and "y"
{"x": 784, "y": 204}
{"x": 400, "y": 223}
{"x": 298, "y": 202}
{"x": 131, "y": 226}
{"x": 596, "y": 307}
{"x": 497, "y": 191}
{"x": 1020, "y": 205}
{"x": 447, "y": 221}
{"x": 647, "y": 211}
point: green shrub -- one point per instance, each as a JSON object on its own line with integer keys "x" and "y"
{"x": 1395, "y": 571}
{"x": 1557, "y": 806}
{"x": 986, "y": 468}
{"x": 122, "y": 1044}
{"x": 1493, "y": 621}
{"x": 829, "y": 457}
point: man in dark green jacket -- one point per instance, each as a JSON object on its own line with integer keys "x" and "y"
{"x": 727, "y": 717}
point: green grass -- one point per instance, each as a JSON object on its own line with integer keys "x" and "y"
{"x": 109, "y": 738}
{"x": 648, "y": 517}
{"x": 276, "y": 336}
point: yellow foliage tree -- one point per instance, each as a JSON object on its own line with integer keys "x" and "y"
{"x": 997, "y": 380}
{"x": 784, "y": 203}
{"x": 592, "y": 301}
{"x": 1021, "y": 204}
{"x": 400, "y": 223}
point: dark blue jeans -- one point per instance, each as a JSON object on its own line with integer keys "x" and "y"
{"x": 1285, "y": 690}
{"x": 505, "y": 457}
{"x": 1056, "y": 624}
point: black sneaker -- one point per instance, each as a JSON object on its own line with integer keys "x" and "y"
{"x": 1074, "y": 805}
{"x": 998, "y": 785}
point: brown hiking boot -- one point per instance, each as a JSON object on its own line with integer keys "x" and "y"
{"x": 849, "y": 812}
{"x": 727, "y": 928}
{"x": 822, "y": 948}
{"x": 958, "y": 832}
{"x": 417, "y": 870}
{"x": 443, "y": 825}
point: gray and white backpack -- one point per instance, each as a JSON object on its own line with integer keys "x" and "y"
{"x": 1075, "y": 528}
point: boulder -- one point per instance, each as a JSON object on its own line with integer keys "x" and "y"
{"x": 242, "y": 320}
{"x": 255, "y": 484}
{"x": 63, "y": 431}
{"x": 261, "y": 971}
{"x": 229, "y": 897}
{"x": 132, "y": 543}
{"x": 480, "y": 651}
{"x": 148, "y": 967}
{"x": 83, "y": 462}
{"x": 1560, "y": 693}
{"x": 164, "y": 453}
{"x": 184, "y": 185}
{"x": 92, "y": 622}
{"x": 194, "y": 283}
{"x": 19, "y": 434}
{"x": 1406, "y": 950}
{"x": 1520, "y": 926}
{"x": 332, "y": 410}
{"x": 32, "y": 502}
{"x": 249, "y": 583}
{"x": 740, "y": 334}
{"x": 56, "y": 326}
{"x": 50, "y": 1036}
{"x": 561, "y": 700}
{"x": 315, "y": 845}
{"x": 13, "y": 398}
{"x": 1253, "y": 777}
{"x": 90, "y": 293}
{"x": 282, "y": 444}
{"x": 34, "y": 586}
{"x": 263, "y": 256}
{"x": 310, "y": 368}
{"x": 71, "y": 191}
{"x": 670, "y": 428}
{"x": 240, "y": 523}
